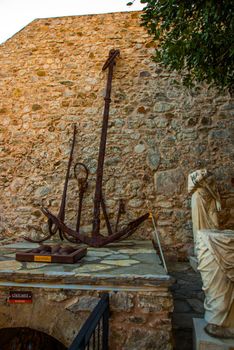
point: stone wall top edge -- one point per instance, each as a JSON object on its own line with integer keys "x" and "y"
{"x": 19, "y": 31}
{"x": 87, "y": 15}
{"x": 67, "y": 17}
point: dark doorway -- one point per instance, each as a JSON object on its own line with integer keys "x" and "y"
{"x": 27, "y": 339}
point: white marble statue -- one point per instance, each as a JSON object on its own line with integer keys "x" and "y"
{"x": 215, "y": 253}
{"x": 205, "y": 201}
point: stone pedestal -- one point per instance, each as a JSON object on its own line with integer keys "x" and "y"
{"x": 64, "y": 295}
{"x": 203, "y": 341}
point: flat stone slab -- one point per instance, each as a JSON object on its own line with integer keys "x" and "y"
{"x": 128, "y": 263}
{"x": 203, "y": 341}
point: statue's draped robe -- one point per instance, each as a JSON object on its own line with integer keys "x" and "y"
{"x": 215, "y": 252}
{"x": 204, "y": 200}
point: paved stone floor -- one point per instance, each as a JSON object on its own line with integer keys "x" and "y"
{"x": 188, "y": 299}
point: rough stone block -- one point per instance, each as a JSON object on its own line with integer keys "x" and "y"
{"x": 181, "y": 306}
{"x": 154, "y": 303}
{"x": 153, "y": 159}
{"x": 85, "y": 303}
{"x": 197, "y": 305}
{"x": 139, "y": 339}
{"x": 169, "y": 182}
{"x": 120, "y": 301}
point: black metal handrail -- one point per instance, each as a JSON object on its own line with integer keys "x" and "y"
{"x": 94, "y": 333}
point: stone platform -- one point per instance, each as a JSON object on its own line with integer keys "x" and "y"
{"x": 64, "y": 294}
{"x": 203, "y": 341}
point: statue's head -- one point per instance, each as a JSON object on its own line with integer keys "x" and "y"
{"x": 195, "y": 178}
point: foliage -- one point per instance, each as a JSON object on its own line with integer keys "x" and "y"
{"x": 194, "y": 38}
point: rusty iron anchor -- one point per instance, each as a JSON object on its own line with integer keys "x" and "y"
{"x": 96, "y": 239}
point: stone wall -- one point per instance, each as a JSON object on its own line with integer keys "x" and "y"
{"x": 50, "y": 78}
{"x": 137, "y": 320}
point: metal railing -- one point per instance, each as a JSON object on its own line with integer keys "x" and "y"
{"x": 94, "y": 333}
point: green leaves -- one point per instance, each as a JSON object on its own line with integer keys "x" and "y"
{"x": 194, "y": 37}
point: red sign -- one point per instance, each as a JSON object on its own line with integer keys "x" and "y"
{"x": 19, "y": 297}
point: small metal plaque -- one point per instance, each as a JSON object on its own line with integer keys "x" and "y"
{"x": 20, "y": 297}
{"x": 42, "y": 258}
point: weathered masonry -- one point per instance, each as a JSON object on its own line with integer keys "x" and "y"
{"x": 50, "y": 78}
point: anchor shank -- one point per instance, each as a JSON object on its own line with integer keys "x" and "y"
{"x": 109, "y": 229}
{"x": 102, "y": 149}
